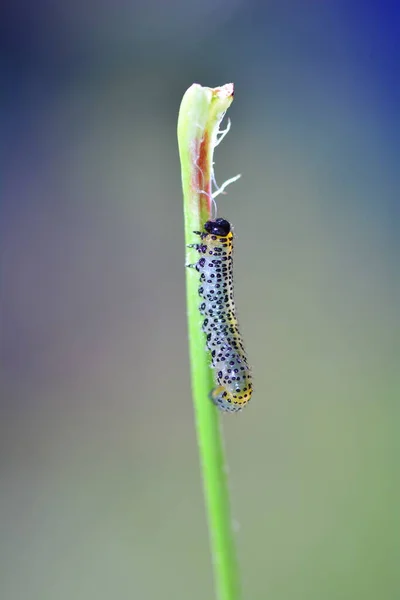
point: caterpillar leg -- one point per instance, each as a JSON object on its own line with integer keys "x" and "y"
{"x": 199, "y": 247}
{"x": 197, "y": 265}
{"x": 201, "y": 234}
{"x": 223, "y": 400}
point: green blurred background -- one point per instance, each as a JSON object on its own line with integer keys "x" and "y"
{"x": 100, "y": 492}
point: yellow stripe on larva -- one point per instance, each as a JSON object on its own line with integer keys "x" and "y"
{"x": 232, "y": 373}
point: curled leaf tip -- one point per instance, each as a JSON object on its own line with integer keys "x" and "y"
{"x": 201, "y": 112}
{"x": 225, "y": 91}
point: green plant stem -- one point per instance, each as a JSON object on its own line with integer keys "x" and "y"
{"x": 201, "y": 112}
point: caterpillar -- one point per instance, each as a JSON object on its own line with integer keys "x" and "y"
{"x": 232, "y": 372}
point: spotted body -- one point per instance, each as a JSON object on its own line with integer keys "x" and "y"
{"x": 232, "y": 373}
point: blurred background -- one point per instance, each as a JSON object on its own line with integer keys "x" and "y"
{"x": 100, "y": 491}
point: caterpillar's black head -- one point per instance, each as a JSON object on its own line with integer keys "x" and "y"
{"x": 219, "y": 227}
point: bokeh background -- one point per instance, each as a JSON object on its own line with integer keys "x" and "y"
{"x": 100, "y": 491}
